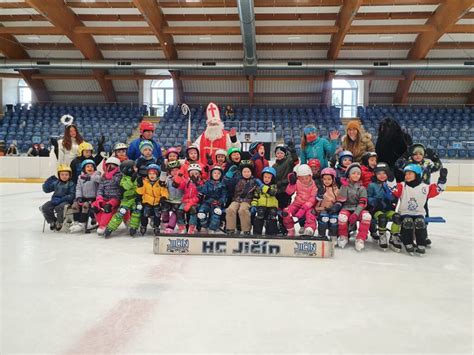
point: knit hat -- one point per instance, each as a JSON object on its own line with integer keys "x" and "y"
{"x": 354, "y": 124}
{"x": 418, "y": 148}
{"x": 310, "y": 129}
{"x": 353, "y": 167}
{"x": 145, "y": 144}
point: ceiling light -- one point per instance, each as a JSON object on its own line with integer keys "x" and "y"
{"x": 204, "y": 38}
{"x": 33, "y": 38}
{"x": 118, "y": 38}
{"x": 385, "y": 37}
{"x": 294, "y": 37}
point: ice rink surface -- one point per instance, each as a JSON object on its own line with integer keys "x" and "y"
{"x": 64, "y": 294}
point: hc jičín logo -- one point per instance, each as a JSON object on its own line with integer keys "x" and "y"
{"x": 178, "y": 245}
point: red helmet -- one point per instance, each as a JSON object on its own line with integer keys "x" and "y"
{"x": 314, "y": 163}
{"x": 146, "y": 126}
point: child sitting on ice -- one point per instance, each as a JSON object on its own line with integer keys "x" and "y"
{"x": 86, "y": 191}
{"x": 353, "y": 202}
{"x": 63, "y": 195}
{"x": 302, "y": 183}
{"x": 368, "y": 164}
{"x": 214, "y": 196}
{"x": 344, "y": 159}
{"x": 413, "y": 195}
{"x": 265, "y": 204}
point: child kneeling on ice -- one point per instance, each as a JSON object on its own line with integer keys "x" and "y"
{"x": 152, "y": 194}
{"x": 413, "y": 195}
{"x": 265, "y": 204}
{"x": 382, "y": 206}
{"x": 303, "y": 184}
{"x": 54, "y": 210}
{"x": 86, "y": 191}
{"x": 214, "y": 196}
{"x": 353, "y": 201}
{"x": 325, "y": 209}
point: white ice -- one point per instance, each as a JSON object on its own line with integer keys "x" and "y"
{"x": 64, "y": 293}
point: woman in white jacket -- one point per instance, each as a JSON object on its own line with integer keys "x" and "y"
{"x": 68, "y": 145}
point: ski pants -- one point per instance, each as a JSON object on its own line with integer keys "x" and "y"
{"x": 413, "y": 225}
{"x": 54, "y": 213}
{"x": 381, "y": 218}
{"x": 265, "y": 216}
{"x": 209, "y": 217}
{"x": 243, "y": 210}
{"x": 81, "y": 210}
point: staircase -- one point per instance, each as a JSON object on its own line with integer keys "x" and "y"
{"x": 136, "y": 132}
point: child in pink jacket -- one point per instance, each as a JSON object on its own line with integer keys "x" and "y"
{"x": 303, "y": 184}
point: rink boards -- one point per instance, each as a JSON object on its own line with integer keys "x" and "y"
{"x": 179, "y": 244}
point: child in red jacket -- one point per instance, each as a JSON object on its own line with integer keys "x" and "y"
{"x": 257, "y": 153}
{"x": 368, "y": 164}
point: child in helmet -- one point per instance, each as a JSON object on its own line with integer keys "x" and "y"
{"x": 382, "y": 205}
{"x": 128, "y": 209}
{"x": 429, "y": 163}
{"x": 119, "y": 151}
{"x": 213, "y": 195}
{"x": 170, "y": 212}
{"x": 190, "y": 201}
{"x": 232, "y": 172}
{"x": 344, "y": 159}
{"x": 146, "y": 158}
{"x": 257, "y": 154}
{"x": 192, "y": 157}
{"x": 172, "y": 154}
{"x": 153, "y": 194}
{"x": 413, "y": 194}
{"x": 352, "y": 201}
{"x": 86, "y": 191}
{"x": 320, "y": 148}
{"x": 108, "y": 194}
{"x": 315, "y": 166}
{"x": 220, "y": 158}
{"x": 325, "y": 209}
{"x": 84, "y": 151}
{"x": 63, "y": 195}
{"x": 265, "y": 204}
{"x": 285, "y": 160}
{"x": 241, "y": 199}
{"x": 368, "y": 164}
{"x": 301, "y": 183}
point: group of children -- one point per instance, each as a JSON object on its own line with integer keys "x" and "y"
{"x": 229, "y": 195}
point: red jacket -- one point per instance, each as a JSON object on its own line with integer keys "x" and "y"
{"x": 204, "y": 169}
{"x": 259, "y": 164}
{"x": 367, "y": 175}
{"x": 190, "y": 197}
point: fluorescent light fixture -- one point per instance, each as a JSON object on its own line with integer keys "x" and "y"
{"x": 385, "y": 37}
{"x": 118, "y": 38}
{"x": 33, "y": 38}
{"x": 204, "y": 38}
{"x": 294, "y": 37}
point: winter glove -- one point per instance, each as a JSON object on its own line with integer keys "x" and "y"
{"x": 292, "y": 178}
{"x": 201, "y": 196}
{"x": 217, "y": 211}
{"x": 107, "y": 208}
{"x": 353, "y": 218}
{"x": 387, "y": 192}
{"x": 443, "y": 175}
{"x": 162, "y": 183}
{"x": 431, "y": 154}
{"x": 209, "y": 159}
{"x": 230, "y": 173}
{"x": 163, "y": 166}
{"x": 140, "y": 181}
{"x": 253, "y": 210}
{"x": 259, "y": 182}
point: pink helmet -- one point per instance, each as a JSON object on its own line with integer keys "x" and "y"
{"x": 329, "y": 171}
{"x": 172, "y": 150}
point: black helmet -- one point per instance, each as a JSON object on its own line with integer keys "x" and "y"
{"x": 366, "y": 157}
{"x": 382, "y": 167}
{"x": 126, "y": 167}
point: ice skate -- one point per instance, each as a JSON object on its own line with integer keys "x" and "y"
{"x": 181, "y": 229}
{"x": 342, "y": 242}
{"x": 428, "y": 242}
{"x": 309, "y": 231}
{"x": 410, "y": 249}
{"x": 247, "y": 234}
{"x": 383, "y": 241}
{"x": 107, "y": 233}
{"x": 359, "y": 244}
{"x": 52, "y": 226}
{"x": 420, "y": 250}
{"x": 374, "y": 236}
{"x": 169, "y": 230}
{"x": 204, "y": 231}
{"x": 301, "y": 231}
{"x": 77, "y": 227}
{"x": 395, "y": 243}
{"x": 59, "y": 226}
{"x": 132, "y": 232}
{"x": 291, "y": 232}
{"x": 156, "y": 231}
{"x": 142, "y": 230}
{"x": 100, "y": 230}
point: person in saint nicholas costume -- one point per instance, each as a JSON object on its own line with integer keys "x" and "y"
{"x": 215, "y": 136}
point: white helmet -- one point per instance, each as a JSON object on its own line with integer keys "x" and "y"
{"x": 113, "y": 160}
{"x": 220, "y": 152}
{"x": 194, "y": 167}
{"x": 304, "y": 170}
{"x": 118, "y": 146}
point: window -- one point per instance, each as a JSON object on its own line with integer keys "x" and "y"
{"x": 162, "y": 95}
{"x": 344, "y": 96}
{"x": 24, "y": 92}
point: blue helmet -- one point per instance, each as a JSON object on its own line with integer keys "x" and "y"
{"x": 269, "y": 170}
{"x": 415, "y": 168}
{"x": 253, "y": 147}
{"x": 344, "y": 154}
{"x": 153, "y": 167}
{"x": 87, "y": 161}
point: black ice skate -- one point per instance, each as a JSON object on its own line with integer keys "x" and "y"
{"x": 132, "y": 232}
{"x": 395, "y": 243}
{"x": 107, "y": 233}
{"x": 428, "y": 242}
{"x": 156, "y": 231}
{"x": 420, "y": 250}
{"x": 383, "y": 241}
{"x": 142, "y": 230}
{"x": 410, "y": 249}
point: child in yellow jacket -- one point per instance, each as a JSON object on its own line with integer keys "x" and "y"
{"x": 152, "y": 195}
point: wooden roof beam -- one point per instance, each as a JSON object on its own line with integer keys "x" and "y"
{"x": 178, "y": 89}
{"x": 445, "y": 16}
{"x": 11, "y": 49}
{"x": 65, "y": 20}
{"x": 152, "y": 13}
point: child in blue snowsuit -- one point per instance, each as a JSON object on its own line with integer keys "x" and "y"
{"x": 214, "y": 195}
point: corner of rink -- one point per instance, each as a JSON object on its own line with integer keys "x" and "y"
{"x": 78, "y": 293}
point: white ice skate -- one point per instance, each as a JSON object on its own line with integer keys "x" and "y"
{"x": 309, "y": 231}
{"x": 76, "y": 227}
{"x": 100, "y": 230}
{"x": 383, "y": 241}
{"x": 342, "y": 242}
{"x": 359, "y": 244}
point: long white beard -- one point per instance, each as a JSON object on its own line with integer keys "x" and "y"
{"x": 214, "y": 132}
